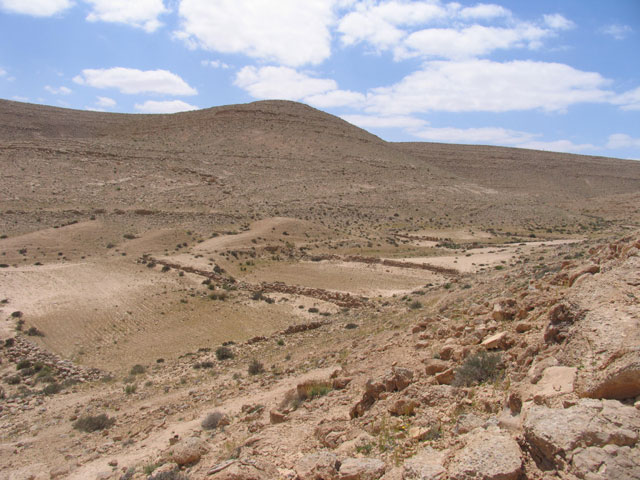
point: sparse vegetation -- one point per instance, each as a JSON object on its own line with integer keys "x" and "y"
{"x": 478, "y": 368}
{"x": 93, "y": 423}
{"x": 137, "y": 370}
{"x": 224, "y": 353}
{"x": 212, "y": 420}
{"x": 255, "y": 367}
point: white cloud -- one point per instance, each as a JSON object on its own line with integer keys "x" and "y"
{"x": 58, "y": 91}
{"x": 469, "y": 42}
{"x": 286, "y": 83}
{"x": 3, "y": 72}
{"x": 214, "y": 64}
{"x": 281, "y": 83}
{"x": 169, "y": 106}
{"x": 558, "y": 22}
{"x": 499, "y": 136}
{"x": 139, "y": 13}
{"x": 628, "y": 100}
{"x": 622, "y": 140}
{"x": 486, "y": 86}
{"x": 379, "y": 24}
{"x": 619, "y": 32}
{"x": 373, "y": 121}
{"x": 483, "y": 135}
{"x": 133, "y": 81}
{"x": 435, "y": 29}
{"x": 36, "y": 8}
{"x": 290, "y": 32}
{"x": 484, "y": 11}
{"x": 106, "y": 102}
{"x": 558, "y": 146}
{"x": 336, "y": 98}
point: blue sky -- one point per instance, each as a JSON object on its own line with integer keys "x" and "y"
{"x": 553, "y": 75}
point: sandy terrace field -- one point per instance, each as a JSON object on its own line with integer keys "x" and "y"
{"x": 475, "y": 259}
{"x": 355, "y": 278}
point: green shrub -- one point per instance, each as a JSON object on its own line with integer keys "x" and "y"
{"x": 130, "y": 389}
{"x": 23, "y": 364}
{"x": 255, "y": 367}
{"x": 224, "y": 353}
{"x": 52, "y": 389}
{"x": 137, "y": 370}
{"x": 93, "y": 423}
{"x": 212, "y": 420}
{"x": 415, "y": 305}
{"x": 477, "y": 369}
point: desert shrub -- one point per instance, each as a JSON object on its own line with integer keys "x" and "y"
{"x": 137, "y": 370}
{"x": 218, "y": 296}
{"x": 224, "y": 353}
{"x": 350, "y": 326}
{"x": 280, "y": 342}
{"x": 130, "y": 389}
{"x": 166, "y": 268}
{"x": 312, "y": 389}
{"x": 34, "y": 332}
{"x": 9, "y": 342}
{"x": 151, "y": 264}
{"x": 16, "y": 314}
{"x": 52, "y": 389}
{"x": 255, "y": 367}
{"x": 205, "y": 364}
{"x": 129, "y": 236}
{"x": 477, "y": 369}
{"x": 313, "y": 310}
{"x": 257, "y": 295}
{"x": 13, "y": 380}
{"x": 212, "y": 420}
{"x": 93, "y": 423}
{"x": 415, "y": 305}
{"x": 23, "y": 364}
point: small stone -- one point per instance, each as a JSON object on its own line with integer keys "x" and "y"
{"x": 495, "y": 341}
{"x": 446, "y": 377}
{"x": 362, "y": 469}
{"x": 276, "y": 417}
{"x": 321, "y": 465}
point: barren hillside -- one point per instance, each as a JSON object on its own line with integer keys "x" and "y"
{"x": 264, "y": 291}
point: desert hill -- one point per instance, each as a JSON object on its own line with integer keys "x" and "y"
{"x": 278, "y": 158}
{"x": 264, "y": 291}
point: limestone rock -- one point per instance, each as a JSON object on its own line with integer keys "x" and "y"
{"x": 608, "y": 463}
{"x": 435, "y": 365}
{"x": 362, "y": 469}
{"x": 555, "y": 381}
{"x": 561, "y": 317}
{"x": 446, "y": 377}
{"x": 187, "y": 451}
{"x": 245, "y": 469}
{"x": 467, "y": 423}
{"x": 321, "y": 465}
{"x": 403, "y": 407}
{"x": 276, "y": 417}
{"x": 487, "y": 455}
{"x": 493, "y": 342}
{"x": 553, "y": 434}
{"x": 504, "y": 309}
{"x": 426, "y": 465}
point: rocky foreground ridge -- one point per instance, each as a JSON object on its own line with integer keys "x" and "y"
{"x": 534, "y": 373}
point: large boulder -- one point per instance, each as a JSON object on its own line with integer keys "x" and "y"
{"x": 362, "y": 469}
{"x": 187, "y": 451}
{"x": 557, "y": 436}
{"x": 487, "y": 455}
{"x": 321, "y": 465}
{"x": 428, "y": 464}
